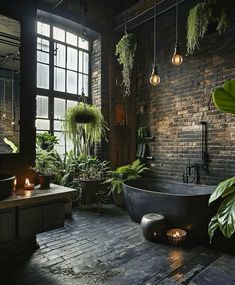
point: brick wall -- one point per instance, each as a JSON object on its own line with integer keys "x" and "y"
{"x": 175, "y": 108}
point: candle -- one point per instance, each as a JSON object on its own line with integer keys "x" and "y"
{"x": 28, "y": 193}
{"x": 176, "y": 236}
{"x": 15, "y": 184}
{"x": 28, "y": 185}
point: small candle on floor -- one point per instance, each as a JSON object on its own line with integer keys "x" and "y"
{"x": 176, "y": 236}
{"x": 28, "y": 185}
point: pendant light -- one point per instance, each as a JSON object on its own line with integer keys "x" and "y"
{"x": 155, "y": 78}
{"x": 12, "y": 93}
{"x": 177, "y": 58}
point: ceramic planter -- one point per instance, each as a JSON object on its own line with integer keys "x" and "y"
{"x": 44, "y": 181}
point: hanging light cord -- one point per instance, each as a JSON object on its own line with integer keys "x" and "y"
{"x": 176, "y": 23}
{"x": 12, "y": 89}
{"x": 4, "y": 91}
{"x": 154, "y": 32}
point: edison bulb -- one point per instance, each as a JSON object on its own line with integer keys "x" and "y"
{"x": 12, "y": 123}
{"x": 155, "y": 79}
{"x": 4, "y": 115}
{"x": 177, "y": 58}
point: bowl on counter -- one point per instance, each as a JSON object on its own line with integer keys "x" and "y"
{"x": 6, "y": 185}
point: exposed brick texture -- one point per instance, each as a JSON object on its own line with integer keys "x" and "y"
{"x": 175, "y": 108}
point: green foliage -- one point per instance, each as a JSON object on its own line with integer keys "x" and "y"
{"x": 11, "y": 145}
{"x": 83, "y": 167}
{"x": 224, "y": 97}
{"x": 199, "y": 18}
{"x": 46, "y": 141}
{"x": 46, "y": 163}
{"x": 84, "y": 135}
{"x": 125, "y": 51}
{"x": 121, "y": 174}
{"x": 225, "y": 216}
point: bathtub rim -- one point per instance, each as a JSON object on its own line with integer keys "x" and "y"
{"x": 169, "y": 194}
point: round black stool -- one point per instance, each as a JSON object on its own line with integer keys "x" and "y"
{"x": 153, "y": 226}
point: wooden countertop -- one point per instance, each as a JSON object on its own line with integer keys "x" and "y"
{"x": 22, "y": 198}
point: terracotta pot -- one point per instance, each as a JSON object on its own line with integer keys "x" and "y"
{"x": 44, "y": 181}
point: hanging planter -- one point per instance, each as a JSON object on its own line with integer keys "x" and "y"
{"x": 85, "y": 125}
{"x": 125, "y": 51}
{"x": 200, "y": 19}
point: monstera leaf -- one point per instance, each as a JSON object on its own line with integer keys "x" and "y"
{"x": 223, "y": 189}
{"x": 224, "y": 97}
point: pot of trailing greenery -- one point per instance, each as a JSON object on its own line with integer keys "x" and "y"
{"x": 125, "y": 51}
{"x": 200, "y": 20}
{"x": 46, "y": 166}
{"x": 84, "y": 135}
{"x": 224, "y": 194}
{"x": 46, "y": 141}
{"x": 116, "y": 178}
{"x": 89, "y": 173}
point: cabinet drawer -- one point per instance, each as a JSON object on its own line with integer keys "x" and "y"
{"x": 53, "y": 216}
{"x": 30, "y": 221}
{"x": 7, "y": 225}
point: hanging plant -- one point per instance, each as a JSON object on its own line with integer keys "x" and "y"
{"x": 84, "y": 135}
{"x": 200, "y": 18}
{"x": 125, "y": 51}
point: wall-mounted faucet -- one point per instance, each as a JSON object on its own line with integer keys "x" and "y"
{"x": 191, "y": 174}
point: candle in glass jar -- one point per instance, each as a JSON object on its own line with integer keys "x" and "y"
{"x": 176, "y": 236}
{"x": 28, "y": 185}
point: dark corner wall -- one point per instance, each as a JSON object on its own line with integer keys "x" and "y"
{"x": 174, "y": 109}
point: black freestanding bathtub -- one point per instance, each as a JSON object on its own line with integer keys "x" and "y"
{"x": 183, "y": 205}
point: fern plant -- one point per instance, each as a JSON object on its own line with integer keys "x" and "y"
{"x": 199, "y": 18}
{"x": 83, "y": 135}
{"x": 125, "y": 51}
{"x": 121, "y": 174}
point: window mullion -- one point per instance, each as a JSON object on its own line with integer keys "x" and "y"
{"x": 51, "y": 82}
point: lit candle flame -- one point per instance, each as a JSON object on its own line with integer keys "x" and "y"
{"x": 176, "y": 234}
{"x": 27, "y": 181}
{"x": 15, "y": 184}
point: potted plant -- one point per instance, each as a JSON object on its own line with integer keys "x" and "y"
{"x": 200, "y": 18}
{"x": 125, "y": 51}
{"x": 84, "y": 135}
{"x": 46, "y": 141}
{"x": 46, "y": 166}
{"x": 87, "y": 172}
{"x": 117, "y": 177}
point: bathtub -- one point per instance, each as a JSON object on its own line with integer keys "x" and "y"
{"x": 183, "y": 205}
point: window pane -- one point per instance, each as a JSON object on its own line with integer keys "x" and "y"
{"x": 42, "y": 106}
{"x": 42, "y": 76}
{"x": 71, "y": 39}
{"x": 83, "y": 43}
{"x": 59, "y": 79}
{"x": 72, "y": 59}
{"x": 42, "y": 44}
{"x": 58, "y": 125}
{"x": 83, "y": 78}
{"x": 60, "y": 148}
{"x": 43, "y": 57}
{"x": 58, "y": 34}
{"x": 71, "y": 103}
{"x": 83, "y": 62}
{"x": 59, "y": 58}
{"x": 72, "y": 82}
{"x": 43, "y": 29}
{"x": 59, "y": 108}
{"x": 42, "y": 124}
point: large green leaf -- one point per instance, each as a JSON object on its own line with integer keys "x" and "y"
{"x": 226, "y": 216}
{"x": 213, "y": 225}
{"x": 223, "y": 189}
{"x": 224, "y": 97}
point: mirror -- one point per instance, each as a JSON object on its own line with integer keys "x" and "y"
{"x": 9, "y": 85}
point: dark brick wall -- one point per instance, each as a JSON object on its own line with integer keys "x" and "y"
{"x": 175, "y": 108}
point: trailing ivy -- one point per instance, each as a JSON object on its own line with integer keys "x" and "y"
{"x": 199, "y": 18}
{"x": 125, "y": 51}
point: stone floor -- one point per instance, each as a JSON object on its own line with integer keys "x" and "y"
{"x": 108, "y": 248}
